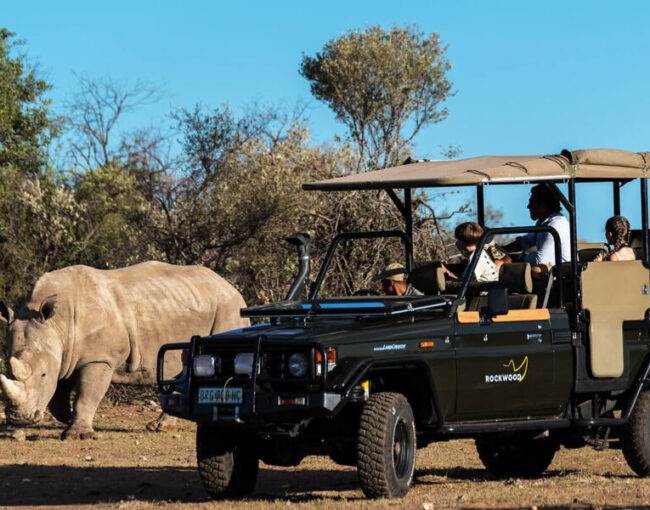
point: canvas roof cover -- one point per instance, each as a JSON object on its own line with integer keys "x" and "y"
{"x": 604, "y": 164}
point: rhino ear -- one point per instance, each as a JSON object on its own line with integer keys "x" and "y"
{"x": 6, "y": 313}
{"x": 48, "y": 307}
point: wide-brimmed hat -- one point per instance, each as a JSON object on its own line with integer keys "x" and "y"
{"x": 394, "y": 271}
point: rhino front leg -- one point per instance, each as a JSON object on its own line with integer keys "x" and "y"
{"x": 60, "y": 403}
{"x": 93, "y": 381}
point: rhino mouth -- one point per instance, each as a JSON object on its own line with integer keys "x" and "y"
{"x": 17, "y": 417}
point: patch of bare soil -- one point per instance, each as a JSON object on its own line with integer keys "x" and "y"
{"x": 132, "y": 468}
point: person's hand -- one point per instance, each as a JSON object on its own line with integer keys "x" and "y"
{"x": 448, "y": 273}
{"x": 599, "y": 257}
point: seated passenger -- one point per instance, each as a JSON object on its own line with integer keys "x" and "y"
{"x": 467, "y": 237}
{"x": 394, "y": 281}
{"x": 544, "y": 208}
{"x": 618, "y": 232}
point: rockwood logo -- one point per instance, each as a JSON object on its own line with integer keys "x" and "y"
{"x": 517, "y": 374}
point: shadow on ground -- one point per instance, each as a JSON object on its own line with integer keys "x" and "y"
{"x": 443, "y": 475}
{"x": 65, "y": 485}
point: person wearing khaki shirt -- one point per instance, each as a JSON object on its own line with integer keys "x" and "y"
{"x": 394, "y": 281}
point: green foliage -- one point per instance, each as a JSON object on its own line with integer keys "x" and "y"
{"x": 385, "y": 86}
{"x": 26, "y": 125}
{"x": 242, "y": 195}
{"x": 38, "y": 229}
{"x": 113, "y": 212}
{"x": 235, "y": 193}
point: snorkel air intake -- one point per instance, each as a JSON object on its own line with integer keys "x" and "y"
{"x": 303, "y": 243}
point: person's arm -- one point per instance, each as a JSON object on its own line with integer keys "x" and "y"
{"x": 448, "y": 273}
{"x": 512, "y": 245}
{"x": 545, "y": 253}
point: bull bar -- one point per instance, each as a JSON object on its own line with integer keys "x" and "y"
{"x": 180, "y": 394}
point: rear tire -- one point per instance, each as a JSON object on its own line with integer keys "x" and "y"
{"x": 516, "y": 455}
{"x": 635, "y": 437}
{"x": 227, "y": 464}
{"x": 386, "y": 446}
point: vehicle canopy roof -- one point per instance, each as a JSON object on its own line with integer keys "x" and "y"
{"x": 592, "y": 164}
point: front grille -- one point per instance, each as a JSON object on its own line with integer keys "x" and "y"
{"x": 273, "y": 359}
{"x": 226, "y": 354}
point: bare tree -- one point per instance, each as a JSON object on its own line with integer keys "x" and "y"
{"x": 93, "y": 113}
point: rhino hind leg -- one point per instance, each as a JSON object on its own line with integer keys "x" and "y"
{"x": 60, "y": 404}
{"x": 93, "y": 382}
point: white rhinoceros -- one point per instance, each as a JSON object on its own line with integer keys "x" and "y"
{"x": 82, "y": 328}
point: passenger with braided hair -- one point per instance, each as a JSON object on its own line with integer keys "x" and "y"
{"x": 617, "y": 232}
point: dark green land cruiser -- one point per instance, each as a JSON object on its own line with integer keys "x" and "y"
{"x": 523, "y": 365}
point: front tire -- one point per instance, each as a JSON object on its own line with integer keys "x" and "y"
{"x": 516, "y": 455}
{"x": 227, "y": 464}
{"x": 635, "y": 437}
{"x": 386, "y": 446}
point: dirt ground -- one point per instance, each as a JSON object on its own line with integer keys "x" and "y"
{"x": 129, "y": 467}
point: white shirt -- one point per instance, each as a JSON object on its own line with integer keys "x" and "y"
{"x": 485, "y": 270}
{"x": 545, "y": 253}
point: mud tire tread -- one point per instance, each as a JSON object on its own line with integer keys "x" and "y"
{"x": 228, "y": 466}
{"x": 374, "y": 445}
{"x": 635, "y": 437}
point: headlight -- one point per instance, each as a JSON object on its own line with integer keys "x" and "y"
{"x": 204, "y": 365}
{"x": 244, "y": 363}
{"x": 298, "y": 364}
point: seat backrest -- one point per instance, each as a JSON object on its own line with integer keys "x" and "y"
{"x": 515, "y": 302}
{"x": 516, "y": 277}
{"x": 588, "y": 251}
{"x": 612, "y": 292}
{"x": 428, "y": 277}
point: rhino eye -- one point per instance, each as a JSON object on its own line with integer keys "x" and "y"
{"x": 42, "y": 375}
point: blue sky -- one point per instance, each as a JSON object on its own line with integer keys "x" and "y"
{"x": 531, "y": 77}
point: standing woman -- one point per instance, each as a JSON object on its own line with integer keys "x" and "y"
{"x": 618, "y": 232}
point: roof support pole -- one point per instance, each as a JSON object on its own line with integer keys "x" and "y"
{"x": 617, "y": 197}
{"x": 480, "y": 205}
{"x": 409, "y": 214}
{"x": 406, "y": 209}
{"x": 644, "y": 219}
{"x": 569, "y": 205}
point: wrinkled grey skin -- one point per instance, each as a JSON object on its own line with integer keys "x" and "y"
{"x": 82, "y": 328}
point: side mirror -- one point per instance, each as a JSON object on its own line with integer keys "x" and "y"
{"x": 497, "y": 301}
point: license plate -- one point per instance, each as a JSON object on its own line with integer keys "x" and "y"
{"x": 218, "y": 396}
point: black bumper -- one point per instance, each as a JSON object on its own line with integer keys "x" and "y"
{"x": 259, "y": 407}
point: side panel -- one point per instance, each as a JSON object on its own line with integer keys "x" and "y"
{"x": 388, "y": 341}
{"x": 506, "y": 370}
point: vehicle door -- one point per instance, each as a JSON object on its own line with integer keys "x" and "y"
{"x": 506, "y": 367}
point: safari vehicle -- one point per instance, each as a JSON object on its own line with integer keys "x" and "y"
{"x": 522, "y": 365}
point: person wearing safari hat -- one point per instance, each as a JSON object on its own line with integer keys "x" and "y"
{"x": 394, "y": 281}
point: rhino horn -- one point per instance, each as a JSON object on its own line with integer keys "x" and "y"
{"x": 14, "y": 390}
{"x": 20, "y": 369}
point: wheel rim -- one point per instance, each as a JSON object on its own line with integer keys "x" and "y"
{"x": 402, "y": 449}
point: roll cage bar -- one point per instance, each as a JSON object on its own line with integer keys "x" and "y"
{"x": 569, "y": 203}
{"x": 380, "y": 234}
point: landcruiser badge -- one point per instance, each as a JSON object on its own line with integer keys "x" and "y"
{"x": 518, "y": 373}
{"x": 390, "y": 347}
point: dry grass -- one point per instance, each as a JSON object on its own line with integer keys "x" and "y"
{"x": 128, "y": 467}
